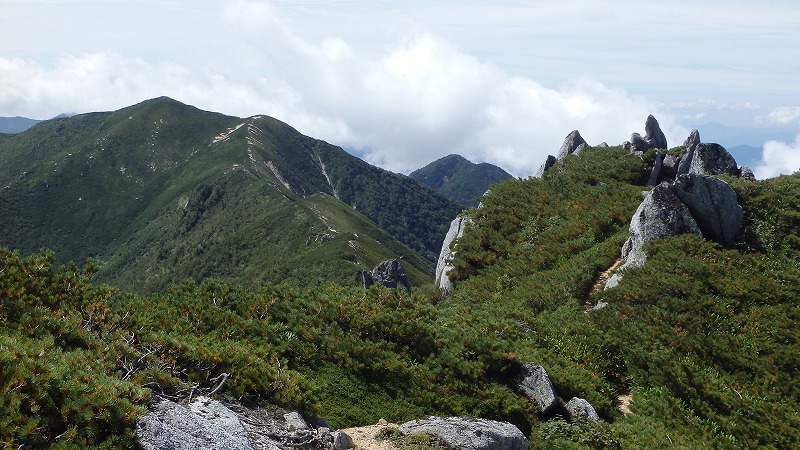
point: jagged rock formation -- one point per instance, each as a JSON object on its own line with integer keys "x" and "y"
{"x": 692, "y": 141}
{"x": 713, "y": 204}
{"x": 548, "y": 163}
{"x": 712, "y": 159}
{"x": 697, "y": 204}
{"x": 580, "y": 410}
{"x": 470, "y": 433}
{"x": 696, "y": 158}
{"x": 457, "y": 228}
{"x": 658, "y": 165}
{"x": 389, "y": 273}
{"x": 534, "y": 383}
{"x": 208, "y": 424}
{"x": 653, "y": 133}
{"x": 687, "y": 198}
{"x": 654, "y": 137}
{"x": 660, "y": 215}
{"x": 571, "y": 143}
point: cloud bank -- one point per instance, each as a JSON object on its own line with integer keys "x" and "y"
{"x": 400, "y": 106}
{"x": 779, "y": 158}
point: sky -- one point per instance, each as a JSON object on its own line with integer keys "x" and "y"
{"x": 403, "y": 83}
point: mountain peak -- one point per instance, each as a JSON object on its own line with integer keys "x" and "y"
{"x": 459, "y": 178}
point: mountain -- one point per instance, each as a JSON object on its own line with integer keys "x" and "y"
{"x": 161, "y": 191}
{"x": 697, "y": 348}
{"x": 747, "y": 155}
{"x": 11, "y": 125}
{"x": 460, "y": 179}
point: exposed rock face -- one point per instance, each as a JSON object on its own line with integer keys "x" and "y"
{"x": 660, "y": 215}
{"x": 713, "y": 205}
{"x": 389, "y": 273}
{"x": 580, "y": 410}
{"x": 655, "y": 174}
{"x": 669, "y": 169}
{"x": 341, "y": 441}
{"x": 748, "y": 174}
{"x": 457, "y": 228}
{"x": 548, "y": 163}
{"x": 209, "y": 424}
{"x": 638, "y": 143}
{"x": 571, "y": 143}
{"x": 294, "y": 421}
{"x": 653, "y": 137}
{"x": 697, "y": 204}
{"x": 692, "y": 141}
{"x": 712, "y": 159}
{"x": 470, "y": 433}
{"x": 171, "y": 426}
{"x": 653, "y": 134}
{"x": 535, "y": 384}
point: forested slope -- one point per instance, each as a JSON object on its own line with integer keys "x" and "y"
{"x": 702, "y": 338}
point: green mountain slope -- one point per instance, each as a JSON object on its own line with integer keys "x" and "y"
{"x": 700, "y": 343}
{"x": 168, "y": 191}
{"x": 459, "y": 179}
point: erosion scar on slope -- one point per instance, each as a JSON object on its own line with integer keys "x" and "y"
{"x": 601, "y": 281}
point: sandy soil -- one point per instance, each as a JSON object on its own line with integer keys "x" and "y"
{"x": 364, "y": 437}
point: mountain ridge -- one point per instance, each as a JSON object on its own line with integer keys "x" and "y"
{"x": 459, "y": 179}
{"x": 87, "y": 185}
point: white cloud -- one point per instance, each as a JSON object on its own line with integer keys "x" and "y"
{"x": 784, "y": 115}
{"x": 779, "y": 158}
{"x": 405, "y": 104}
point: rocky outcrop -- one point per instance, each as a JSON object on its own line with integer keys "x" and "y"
{"x": 169, "y": 425}
{"x": 713, "y": 205}
{"x": 548, "y": 163}
{"x": 689, "y": 146}
{"x": 533, "y": 382}
{"x": 653, "y": 138}
{"x": 469, "y": 433}
{"x": 653, "y": 133}
{"x": 655, "y": 173}
{"x": 389, "y": 273}
{"x": 669, "y": 168}
{"x": 660, "y": 215}
{"x": 571, "y": 143}
{"x": 457, "y": 228}
{"x": 692, "y": 141}
{"x": 696, "y": 204}
{"x": 294, "y": 421}
{"x": 747, "y": 174}
{"x": 712, "y": 159}
{"x": 209, "y": 424}
{"x": 581, "y": 411}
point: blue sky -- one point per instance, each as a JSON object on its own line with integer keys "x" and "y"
{"x": 406, "y": 82}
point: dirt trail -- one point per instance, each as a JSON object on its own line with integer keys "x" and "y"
{"x": 364, "y": 437}
{"x": 600, "y": 283}
{"x": 625, "y": 403}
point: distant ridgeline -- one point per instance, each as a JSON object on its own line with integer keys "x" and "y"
{"x": 160, "y": 192}
{"x": 460, "y": 179}
{"x": 11, "y": 125}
